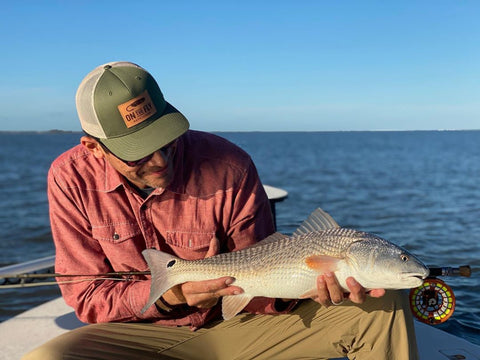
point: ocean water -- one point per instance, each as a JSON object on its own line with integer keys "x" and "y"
{"x": 420, "y": 190}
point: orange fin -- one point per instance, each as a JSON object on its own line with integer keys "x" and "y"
{"x": 322, "y": 263}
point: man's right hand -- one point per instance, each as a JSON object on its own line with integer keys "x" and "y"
{"x": 202, "y": 294}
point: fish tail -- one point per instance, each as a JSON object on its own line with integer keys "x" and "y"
{"x": 161, "y": 265}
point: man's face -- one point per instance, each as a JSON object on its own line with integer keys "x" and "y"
{"x": 157, "y": 172}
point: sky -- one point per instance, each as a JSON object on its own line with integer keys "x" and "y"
{"x": 252, "y": 65}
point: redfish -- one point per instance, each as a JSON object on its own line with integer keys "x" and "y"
{"x": 282, "y": 266}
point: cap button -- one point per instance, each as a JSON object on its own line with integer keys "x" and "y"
{"x": 107, "y": 67}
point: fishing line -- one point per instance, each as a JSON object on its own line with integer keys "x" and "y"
{"x": 49, "y": 275}
{"x": 50, "y": 283}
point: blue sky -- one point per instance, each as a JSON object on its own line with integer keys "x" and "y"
{"x": 252, "y": 65}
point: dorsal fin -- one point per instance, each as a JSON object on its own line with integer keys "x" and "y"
{"x": 317, "y": 221}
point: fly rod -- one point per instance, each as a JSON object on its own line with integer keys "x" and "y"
{"x": 14, "y": 281}
{"x": 464, "y": 270}
{"x": 56, "y": 275}
{"x": 27, "y": 279}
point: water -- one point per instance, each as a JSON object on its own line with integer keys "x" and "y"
{"x": 417, "y": 189}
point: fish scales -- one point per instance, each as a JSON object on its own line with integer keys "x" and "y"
{"x": 287, "y": 267}
{"x": 281, "y": 261}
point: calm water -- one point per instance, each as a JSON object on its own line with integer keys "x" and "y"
{"x": 417, "y": 189}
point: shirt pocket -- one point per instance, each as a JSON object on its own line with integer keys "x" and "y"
{"x": 191, "y": 245}
{"x": 116, "y": 232}
{"x": 122, "y": 244}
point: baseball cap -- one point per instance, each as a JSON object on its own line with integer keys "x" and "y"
{"x": 120, "y": 104}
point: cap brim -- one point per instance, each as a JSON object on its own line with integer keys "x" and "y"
{"x": 149, "y": 139}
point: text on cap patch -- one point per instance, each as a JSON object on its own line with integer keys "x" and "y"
{"x": 138, "y": 109}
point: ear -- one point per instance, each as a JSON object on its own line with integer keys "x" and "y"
{"x": 93, "y": 146}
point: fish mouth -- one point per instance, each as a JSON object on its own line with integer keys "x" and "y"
{"x": 418, "y": 278}
{"x": 414, "y": 278}
{"x": 421, "y": 276}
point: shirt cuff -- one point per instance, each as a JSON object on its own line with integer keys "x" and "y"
{"x": 138, "y": 297}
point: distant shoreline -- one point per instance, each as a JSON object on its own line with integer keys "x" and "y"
{"x": 56, "y": 131}
{"x": 53, "y": 131}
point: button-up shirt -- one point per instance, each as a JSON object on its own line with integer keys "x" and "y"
{"x": 101, "y": 223}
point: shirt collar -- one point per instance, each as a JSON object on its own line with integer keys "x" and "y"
{"x": 113, "y": 179}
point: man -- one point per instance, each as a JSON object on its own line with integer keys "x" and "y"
{"x": 140, "y": 179}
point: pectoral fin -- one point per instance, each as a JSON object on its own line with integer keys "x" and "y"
{"x": 322, "y": 263}
{"x": 233, "y": 304}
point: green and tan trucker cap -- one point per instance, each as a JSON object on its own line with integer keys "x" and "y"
{"x": 121, "y": 104}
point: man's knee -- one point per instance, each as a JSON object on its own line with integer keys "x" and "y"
{"x": 58, "y": 347}
{"x": 46, "y": 351}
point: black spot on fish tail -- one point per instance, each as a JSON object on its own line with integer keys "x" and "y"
{"x": 171, "y": 263}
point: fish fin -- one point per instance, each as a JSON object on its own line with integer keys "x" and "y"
{"x": 309, "y": 294}
{"x": 160, "y": 264}
{"x": 233, "y": 304}
{"x": 322, "y": 263}
{"x": 319, "y": 220}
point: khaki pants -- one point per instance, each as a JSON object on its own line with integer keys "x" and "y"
{"x": 379, "y": 329}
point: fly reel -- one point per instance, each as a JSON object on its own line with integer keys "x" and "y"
{"x": 433, "y": 302}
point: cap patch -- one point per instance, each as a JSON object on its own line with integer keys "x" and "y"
{"x": 137, "y": 110}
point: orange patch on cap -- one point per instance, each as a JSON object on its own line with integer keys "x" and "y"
{"x": 137, "y": 110}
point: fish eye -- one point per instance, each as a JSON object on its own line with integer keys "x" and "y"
{"x": 404, "y": 257}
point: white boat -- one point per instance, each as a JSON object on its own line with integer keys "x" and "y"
{"x": 36, "y": 326}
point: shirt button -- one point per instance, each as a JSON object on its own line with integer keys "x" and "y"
{"x": 116, "y": 236}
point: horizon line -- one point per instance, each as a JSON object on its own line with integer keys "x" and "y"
{"x": 58, "y": 131}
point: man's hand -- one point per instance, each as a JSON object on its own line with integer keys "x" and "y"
{"x": 331, "y": 293}
{"x": 202, "y": 294}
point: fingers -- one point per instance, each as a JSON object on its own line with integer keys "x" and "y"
{"x": 205, "y": 294}
{"x": 214, "y": 247}
{"x": 329, "y": 290}
{"x": 376, "y": 293}
{"x": 357, "y": 292}
{"x": 331, "y": 293}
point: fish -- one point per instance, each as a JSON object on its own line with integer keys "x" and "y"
{"x": 286, "y": 267}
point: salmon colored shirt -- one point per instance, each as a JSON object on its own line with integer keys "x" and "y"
{"x": 100, "y": 224}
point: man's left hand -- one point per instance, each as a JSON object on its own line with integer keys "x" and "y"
{"x": 331, "y": 293}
